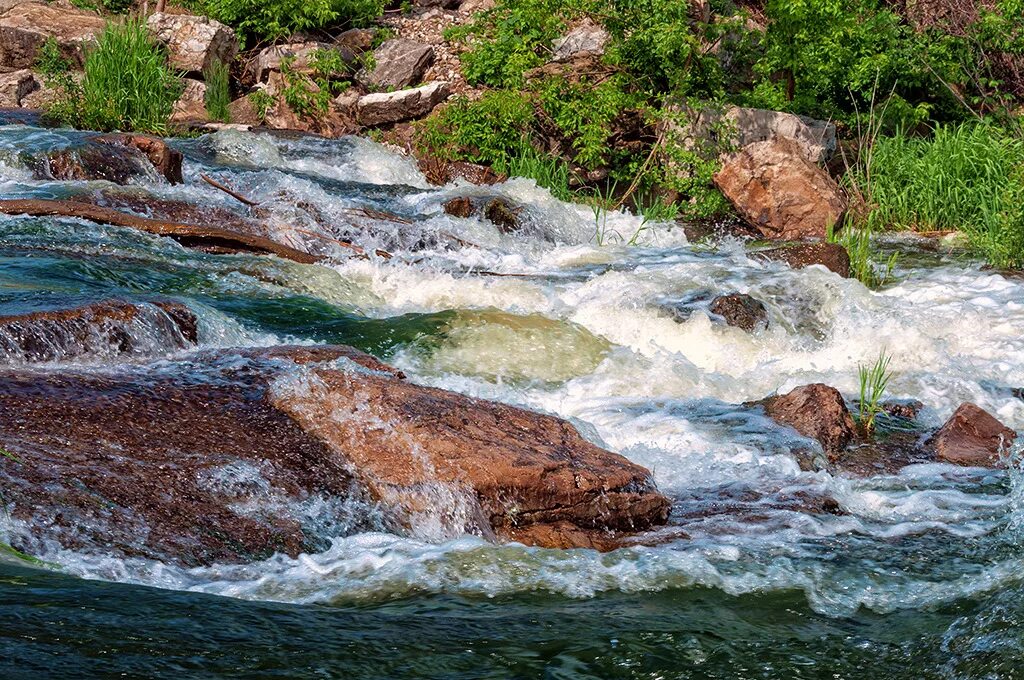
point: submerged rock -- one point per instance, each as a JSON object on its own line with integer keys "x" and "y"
{"x": 816, "y": 411}
{"x": 779, "y": 192}
{"x": 117, "y": 158}
{"x": 234, "y": 456}
{"x": 741, "y": 311}
{"x": 502, "y": 215}
{"x": 104, "y": 330}
{"x": 832, "y": 256}
{"x": 972, "y": 437}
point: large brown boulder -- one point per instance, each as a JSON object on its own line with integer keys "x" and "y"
{"x": 816, "y": 411}
{"x": 194, "y": 42}
{"x": 382, "y": 108}
{"x": 736, "y": 127}
{"x": 398, "y": 63}
{"x": 165, "y": 159}
{"x": 779, "y": 192}
{"x": 222, "y": 458}
{"x": 832, "y": 256}
{"x": 25, "y": 27}
{"x": 103, "y": 330}
{"x": 972, "y": 437}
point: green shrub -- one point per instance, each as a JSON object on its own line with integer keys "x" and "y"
{"x": 218, "y": 92}
{"x": 491, "y": 130}
{"x": 127, "y": 84}
{"x": 268, "y": 20}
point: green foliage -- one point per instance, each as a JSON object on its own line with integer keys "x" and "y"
{"x": 127, "y": 83}
{"x": 268, "y": 20}
{"x": 966, "y": 177}
{"x": 262, "y": 102}
{"x": 218, "y": 91}
{"x": 873, "y": 381}
{"x": 309, "y": 94}
{"x": 491, "y": 130}
{"x": 548, "y": 171}
{"x": 863, "y": 267}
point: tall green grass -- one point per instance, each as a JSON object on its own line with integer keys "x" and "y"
{"x": 218, "y": 91}
{"x": 968, "y": 178}
{"x": 127, "y": 84}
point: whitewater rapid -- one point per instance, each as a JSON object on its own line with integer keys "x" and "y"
{"x": 548, "y": 319}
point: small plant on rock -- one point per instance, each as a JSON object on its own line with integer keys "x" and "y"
{"x": 873, "y": 382}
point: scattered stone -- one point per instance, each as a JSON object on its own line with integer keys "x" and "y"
{"x": 398, "y": 63}
{"x": 190, "y": 109}
{"x": 499, "y": 213}
{"x": 270, "y": 58}
{"x": 972, "y": 437}
{"x": 391, "y": 107}
{"x": 164, "y": 158}
{"x": 816, "y": 411}
{"x": 779, "y": 192}
{"x": 16, "y": 86}
{"x": 908, "y": 409}
{"x": 194, "y": 42}
{"x": 588, "y": 39}
{"x": 153, "y": 462}
{"x": 460, "y": 207}
{"x": 473, "y": 6}
{"x": 742, "y": 311}
{"x": 25, "y": 27}
{"x": 832, "y": 256}
{"x": 104, "y": 330}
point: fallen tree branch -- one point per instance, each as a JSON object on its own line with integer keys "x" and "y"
{"x": 233, "y": 194}
{"x": 190, "y": 235}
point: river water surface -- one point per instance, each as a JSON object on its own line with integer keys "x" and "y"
{"x": 918, "y": 574}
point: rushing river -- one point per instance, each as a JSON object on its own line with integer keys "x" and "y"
{"x": 919, "y": 574}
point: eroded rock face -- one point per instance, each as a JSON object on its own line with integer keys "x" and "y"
{"x": 742, "y": 311}
{"x": 191, "y": 105}
{"x": 736, "y": 127}
{"x": 194, "y": 42}
{"x": 25, "y": 27}
{"x": 223, "y": 457}
{"x": 779, "y": 192}
{"x": 832, "y": 256}
{"x": 391, "y": 107}
{"x": 972, "y": 437}
{"x": 103, "y": 330}
{"x": 816, "y": 411}
{"x": 15, "y": 87}
{"x": 398, "y": 63}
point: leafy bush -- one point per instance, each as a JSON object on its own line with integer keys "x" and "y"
{"x": 491, "y": 130}
{"x": 268, "y": 20}
{"x": 127, "y": 83}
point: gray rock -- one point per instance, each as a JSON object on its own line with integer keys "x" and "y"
{"x": 391, "y": 107}
{"x": 586, "y": 39}
{"x": 191, "y": 105}
{"x": 398, "y": 63}
{"x": 194, "y": 42}
{"x": 270, "y": 59}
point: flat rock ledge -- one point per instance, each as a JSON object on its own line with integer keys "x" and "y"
{"x": 220, "y": 457}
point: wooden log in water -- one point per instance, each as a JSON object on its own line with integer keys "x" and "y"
{"x": 190, "y": 235}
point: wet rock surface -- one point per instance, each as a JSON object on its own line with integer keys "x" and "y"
{"x": 102, "y": 330}
{"x": 220, "y": 458}
{"x": 816, "y": 411}
{"x": 972, "y": 437}
{"x": 832, "y": 256}
{"x": 741, "y": 311}
{"x": 117, "y": 158}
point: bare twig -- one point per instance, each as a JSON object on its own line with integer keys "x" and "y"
{"x": 233, "y": 194}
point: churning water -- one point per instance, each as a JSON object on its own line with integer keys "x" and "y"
{"x": 919, "y": 573}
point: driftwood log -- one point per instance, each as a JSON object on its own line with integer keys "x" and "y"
{"x": 189, "y": 235}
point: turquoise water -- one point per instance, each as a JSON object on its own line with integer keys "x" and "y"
{"x": 919, "y": 574}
